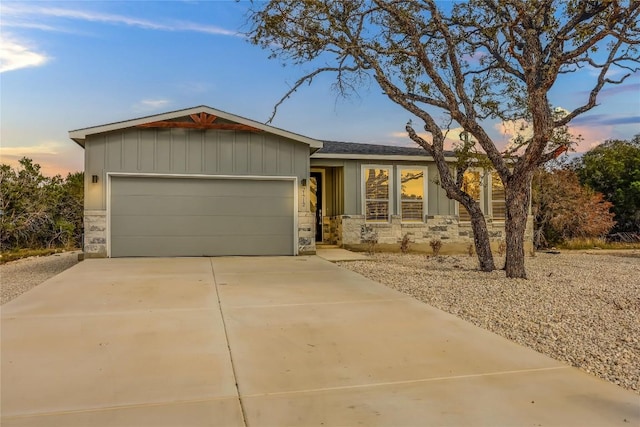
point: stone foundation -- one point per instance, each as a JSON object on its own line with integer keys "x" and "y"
{"x": 352, "y": 232}
{"x": 95, "y": 234}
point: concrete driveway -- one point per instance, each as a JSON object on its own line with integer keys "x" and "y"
{"x": 163, "y": 342}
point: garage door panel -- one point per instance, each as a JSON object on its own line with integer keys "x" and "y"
{"x": 136, "y": 186}
{"x": 173, "y": 225}
{"x": 201, "y": 246}
{"x": 152, "y": 216}
{"x": 206, "y": 205}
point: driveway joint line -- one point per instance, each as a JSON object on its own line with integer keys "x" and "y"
{"x": 360, "y": 301}
{"x": 226, "y": 338}
{"x": 115, "y": 407}
{"x": 404, "y": 382}
{"x": 8, "y": 316}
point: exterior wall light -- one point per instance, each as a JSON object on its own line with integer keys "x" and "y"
{"x": 304, "y": 182}
{"x": 94, "y": 178}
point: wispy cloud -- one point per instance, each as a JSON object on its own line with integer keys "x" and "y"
{"x": 55, "y": 157}
{"x": 47, "y": 147}
{"x": 36, "y": 26}
{"x": 22, "y": 11}
{"x": 606, "y": 119}
{"x": 199, "y": 28}
{"x": 614, "y": 89}
{"x": 16, "y": 54}
{"x": 147, "y": 105}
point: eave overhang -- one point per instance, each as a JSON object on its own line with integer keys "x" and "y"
{"x": 201, "y": 117}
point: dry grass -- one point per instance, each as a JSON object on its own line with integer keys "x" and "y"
{"x": 577, "y": 244}
{"x": 26, "y": 253}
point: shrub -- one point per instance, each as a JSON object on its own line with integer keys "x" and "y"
{"x": 436, "y": 245}
{"x": 39, "y": 211}
{"x": 502, "y": 247}
{"x": 405, "y": 243}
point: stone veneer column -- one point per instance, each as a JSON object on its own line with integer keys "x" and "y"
{"x": 306, "y": 233}
{"x": 95, "y": 233}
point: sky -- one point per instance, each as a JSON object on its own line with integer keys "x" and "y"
{"x": 71, "y": 65}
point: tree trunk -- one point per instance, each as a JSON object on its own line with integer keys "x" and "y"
{"x": 452, "y": 189}
{"x": 481, "y": 238}
{"x": 517, "y": 197}
{"x": 482, "y": 244}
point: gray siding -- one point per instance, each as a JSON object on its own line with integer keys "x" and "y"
{"x": 182, "y": 151}
{"x": 437, "y": 201}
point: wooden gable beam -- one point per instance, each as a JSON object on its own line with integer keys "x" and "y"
{"x": 203, "y": 118}
{"x": 200, "y": 121}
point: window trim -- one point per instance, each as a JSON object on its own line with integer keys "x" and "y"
{"x": 425, "y": 205}
{"x": 490, "y": 198}
{"x": 482, "y": 197}
{"x": 363, "y": 191}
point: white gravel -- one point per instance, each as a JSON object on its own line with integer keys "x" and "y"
{"x": 17, "y": 277}
{"x": 579, "y": 308}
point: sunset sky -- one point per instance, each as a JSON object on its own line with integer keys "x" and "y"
{"x": 69, "y": 65}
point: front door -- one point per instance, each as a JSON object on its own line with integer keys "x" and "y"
{"x": 316, "y": 201}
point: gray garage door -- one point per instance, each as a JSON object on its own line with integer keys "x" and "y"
{"x": 196, "y": 217}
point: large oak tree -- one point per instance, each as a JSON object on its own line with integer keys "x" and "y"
{"x": 465, "y": 64}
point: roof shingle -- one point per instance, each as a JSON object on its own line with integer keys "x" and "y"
{"x": 338, "y": 147}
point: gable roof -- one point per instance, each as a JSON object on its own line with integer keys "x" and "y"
{"x": 80, "y": 135}
{"x": 356, "y": 150}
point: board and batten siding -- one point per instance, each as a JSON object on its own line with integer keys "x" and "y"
{"x": 437, "y": 201}
{"x": 186, "y": 151}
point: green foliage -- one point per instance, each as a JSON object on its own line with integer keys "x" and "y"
{"x": 37, "y": 211}
{"x": 613, "y": 168}
{"x": 565, "y": 210}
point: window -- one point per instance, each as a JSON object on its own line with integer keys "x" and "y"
{"x": 412, "y": 194}
{"x": 498, "y": 205}
{"x": 376, "y": 193}
{"x": 471, "y": 184}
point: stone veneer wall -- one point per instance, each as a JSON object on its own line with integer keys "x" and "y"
{"x": 306, "y": 233}
{"x": 351, "y": 231}
{"x": 95, "y": 233}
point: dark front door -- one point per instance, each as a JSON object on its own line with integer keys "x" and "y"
{"x": 316, "y": 201}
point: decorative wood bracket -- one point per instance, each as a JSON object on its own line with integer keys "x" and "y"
{"x": 200, "y": 121}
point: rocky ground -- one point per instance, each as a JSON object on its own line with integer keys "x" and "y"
{"x": 17, "y": 277}
{"x": 580, "y": 308}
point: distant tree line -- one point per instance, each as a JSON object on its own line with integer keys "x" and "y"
{"x": 594, "y": 196}
{"x": 38, "y": 211}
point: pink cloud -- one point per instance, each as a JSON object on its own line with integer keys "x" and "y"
{"x": 53, "y": 158}
{"x": 591, "y": 136}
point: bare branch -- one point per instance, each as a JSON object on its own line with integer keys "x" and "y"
{"x": 308, "y": 78}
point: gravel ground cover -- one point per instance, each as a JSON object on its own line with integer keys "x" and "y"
{"x": 17, "y": 277}
{"x": 579, "y": 308}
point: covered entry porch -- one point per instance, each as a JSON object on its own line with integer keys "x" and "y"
{"x": 326, "y": 202}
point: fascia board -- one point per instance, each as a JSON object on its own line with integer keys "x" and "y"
{"x": 80, "y": 135}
